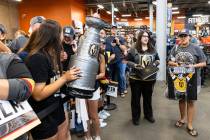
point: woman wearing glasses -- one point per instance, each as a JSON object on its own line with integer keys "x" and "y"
{"x": 142, "y": 55}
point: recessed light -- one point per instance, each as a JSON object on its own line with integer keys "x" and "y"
{"x": 175, "y": 12}
{"x": 182, "y": 17}
{"x": 197, "y": 15}
{"x": 154, "y": 2}
{"x": 100, "y": 6}
{"x": 126, "y": 15}
{"x": 108, "y": 12}
{"x": 138, "y": 19}
{"x": 116, "y": 10}
{"x": 174, "y": 8}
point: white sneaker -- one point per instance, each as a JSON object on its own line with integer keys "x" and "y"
{"x": 103, "y": 124}
{"x": 102, "y": 116}
{"x": 106, "y": 113}
{"x": 97, "y": 138}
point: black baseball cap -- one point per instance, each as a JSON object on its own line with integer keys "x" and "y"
{"x": 2, "y": 29}
{"x": 184, "y": 32}
{"x": 68, "y": 31}
{"x": 114, "y": 26}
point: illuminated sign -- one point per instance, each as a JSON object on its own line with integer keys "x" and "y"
{"x": 198, "y": 20}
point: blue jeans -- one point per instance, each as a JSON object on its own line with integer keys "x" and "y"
{"x": 121, "y": 67}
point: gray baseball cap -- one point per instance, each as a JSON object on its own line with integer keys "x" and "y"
{"x": 68, "y": 31}
{"x": 37, "y": 19}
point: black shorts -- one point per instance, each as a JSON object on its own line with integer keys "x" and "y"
{"x": 49, "y": 125}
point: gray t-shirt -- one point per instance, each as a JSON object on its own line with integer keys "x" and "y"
{"x": 188, "y": 55}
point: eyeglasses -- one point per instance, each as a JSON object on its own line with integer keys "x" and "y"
{"x": 145, "y": 36}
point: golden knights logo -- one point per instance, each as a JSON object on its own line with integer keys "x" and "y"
{"x": 181, "y": 76}
{"x": 93, "y": 51}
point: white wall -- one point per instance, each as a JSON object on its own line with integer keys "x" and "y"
{"x": 9, "y": 17}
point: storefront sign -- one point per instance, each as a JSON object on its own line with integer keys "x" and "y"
{"x": 198, "y": 20}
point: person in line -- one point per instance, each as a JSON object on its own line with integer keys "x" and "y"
{"x": 187, "y": 55}
{"x": 129, "y": 42}
{"x": 69, "y": 45}
{"x": 115, "y": 44}
{"x": 92, "y": 104}
{"x": 143, "y": 54}
{"x": 20, "y": 41}
{"x": 3, "y": 47}
{"x": 35, "y": 23}
{"x": 43, "y": 60}
{"x": 69, "y": 48}
{"x": 16, "y": 82}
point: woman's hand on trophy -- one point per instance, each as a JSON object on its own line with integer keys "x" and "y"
{"x": 72, "y": 74}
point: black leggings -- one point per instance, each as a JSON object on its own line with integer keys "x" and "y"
{"x": 144, "y": 88}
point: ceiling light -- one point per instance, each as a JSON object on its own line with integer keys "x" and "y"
{"x": 18, "y": 0}
{"x": 146, "y": 17}
{"x": 108, "y": 12}
{"x": 124, "y": 20}
{"x": 154, "y": 2}
{"x": 175, "y": 12}
{"x": 117, "y": 18}
{"x": 208, "y": 2}
{"x": 126, "y": 15}
{"x": 138, "y": 19}
{"x": 116, "y": 10}
{"x": 174, "y": 8}
{"x": 182, "y": 17}
{"x": 100, "y": 6}
{"x": 197, "y": 15}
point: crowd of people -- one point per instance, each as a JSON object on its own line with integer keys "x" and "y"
{"x": 40, "y": 76}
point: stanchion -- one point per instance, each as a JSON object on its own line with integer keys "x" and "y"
{"x": 109, "y": 105}
{"x": 112, "y": 91}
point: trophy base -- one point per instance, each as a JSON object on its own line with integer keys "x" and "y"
{"x": 78, "y": 93}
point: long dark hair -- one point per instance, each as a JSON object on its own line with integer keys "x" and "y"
{"x": 46, "y": 40}
{"x": 138, "y": 45}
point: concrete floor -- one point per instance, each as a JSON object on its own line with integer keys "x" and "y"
{"x": 166, "y": 113}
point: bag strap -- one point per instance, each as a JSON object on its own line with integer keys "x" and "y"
{"x": 42, "y": 114}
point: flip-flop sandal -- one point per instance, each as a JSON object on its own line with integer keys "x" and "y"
{"x": 179, "y": 124}
{"x": 192, "y": 132}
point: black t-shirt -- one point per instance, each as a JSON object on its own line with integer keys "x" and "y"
{"x": 17, "y": 69}
{"x": 42, "y": 72}
{"x": 69, "y": 50}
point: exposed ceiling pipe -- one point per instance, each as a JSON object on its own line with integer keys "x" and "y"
{"x": 134, "y": 9}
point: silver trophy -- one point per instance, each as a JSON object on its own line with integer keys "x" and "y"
{"x": 87, "y": 59}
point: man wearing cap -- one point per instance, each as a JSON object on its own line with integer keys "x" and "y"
{"x": 69, "y": 44}
{"x": 35, "y": 23}
{"x": 3, "y": 47}
{"x": 115, "y": 45}
{"x": 188, "y": 56}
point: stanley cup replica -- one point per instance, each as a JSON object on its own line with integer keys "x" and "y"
{"x": 87, "y": 59}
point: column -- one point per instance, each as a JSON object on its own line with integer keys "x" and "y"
{"x": 112, "y": 5}
{"x": 161, "y": 25}
{"x": 151, "y": 17}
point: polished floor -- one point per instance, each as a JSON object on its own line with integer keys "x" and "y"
{"x": 166, "y": 113}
